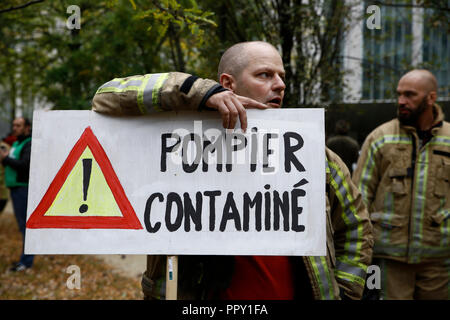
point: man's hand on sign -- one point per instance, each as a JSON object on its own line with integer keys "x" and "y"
{"x": 231, "y": 106}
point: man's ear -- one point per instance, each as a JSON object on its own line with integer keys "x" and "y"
{"x": 432, "y": 96}
{"x": 227, "y": 81}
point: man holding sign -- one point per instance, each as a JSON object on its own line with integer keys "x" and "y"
{"x": 259, "y": 84}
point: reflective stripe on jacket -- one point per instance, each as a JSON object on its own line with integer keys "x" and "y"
{"x": 406, "y": 188}
{"x": 150, "y": 93}
{"x": 349, "y": 231}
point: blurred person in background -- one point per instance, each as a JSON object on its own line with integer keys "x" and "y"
{"x": 343, "y": 145}
{"x": 17, "y": 169}
{"x": 403, "y": 173}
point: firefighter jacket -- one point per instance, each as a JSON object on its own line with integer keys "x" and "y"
{"x": 406, "y": 188}
{"x": 349, "y": 231}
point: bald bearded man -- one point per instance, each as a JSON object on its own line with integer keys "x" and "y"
{"x": 251, "y": 74}
{"x": 403, "y": 174}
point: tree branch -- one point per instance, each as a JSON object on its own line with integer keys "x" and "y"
{"x": 21, "y": 6}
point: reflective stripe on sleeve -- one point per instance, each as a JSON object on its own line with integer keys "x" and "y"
{"x": 350, "y": 272}
{"x": 147, "y": 87}
{"x": 348, "y": 266}
{"x": 323, "y": 277}
{"x": 151, "y": 90}
{"x": 121, "y": 85}
{"x": 349, "y": 215}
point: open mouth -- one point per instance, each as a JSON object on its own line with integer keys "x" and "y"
{"x": 275, "y": 101}
{"x": 403, "y": 110}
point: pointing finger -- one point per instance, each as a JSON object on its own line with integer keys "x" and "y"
{"x": 250, "y": 103}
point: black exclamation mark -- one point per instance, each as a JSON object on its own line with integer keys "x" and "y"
{"x": 87, "y": 166}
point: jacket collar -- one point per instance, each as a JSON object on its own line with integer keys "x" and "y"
{"x": 23, "y": 137}
{"x": 439, "y": 118}
{"x": 437, "y": 124}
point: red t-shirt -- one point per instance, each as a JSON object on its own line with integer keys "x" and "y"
{"x": 261, "y": 278}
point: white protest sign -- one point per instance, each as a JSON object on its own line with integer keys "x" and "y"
{"x": 177, "y": 183}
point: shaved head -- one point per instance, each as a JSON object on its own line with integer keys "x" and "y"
{"x": 424, "y": 78}
{"x": 255, "y": 70}
{"x": 237, "y": 57}
{"x": 417, "y": 93}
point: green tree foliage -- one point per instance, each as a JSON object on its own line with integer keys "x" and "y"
{"x": 18, "y": 58}
{"x": 308, "y": 34}
{"x": 43, "y": 60}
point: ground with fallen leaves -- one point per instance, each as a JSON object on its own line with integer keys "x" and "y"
{"x": 47, "y": 279}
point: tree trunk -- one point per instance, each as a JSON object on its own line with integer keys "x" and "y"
{"x": 287, "y": 43}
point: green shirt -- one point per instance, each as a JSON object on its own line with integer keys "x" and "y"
{"x": 11, "y": 173}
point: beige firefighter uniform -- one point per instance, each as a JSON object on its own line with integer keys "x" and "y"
{"x": 349, "y": 231}
{"x": 418, "y": 281}
{"x": 406, "y": 188}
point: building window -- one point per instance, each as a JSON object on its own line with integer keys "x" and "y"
{"x": 436, "y": 51}
{"x": 409, "y": 37}
{"x": 386, "y": 52}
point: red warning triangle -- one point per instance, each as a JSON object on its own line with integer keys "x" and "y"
{"x": 128, "y": 220}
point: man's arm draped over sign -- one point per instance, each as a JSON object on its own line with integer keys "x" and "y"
{"x": 173, "y": 91}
